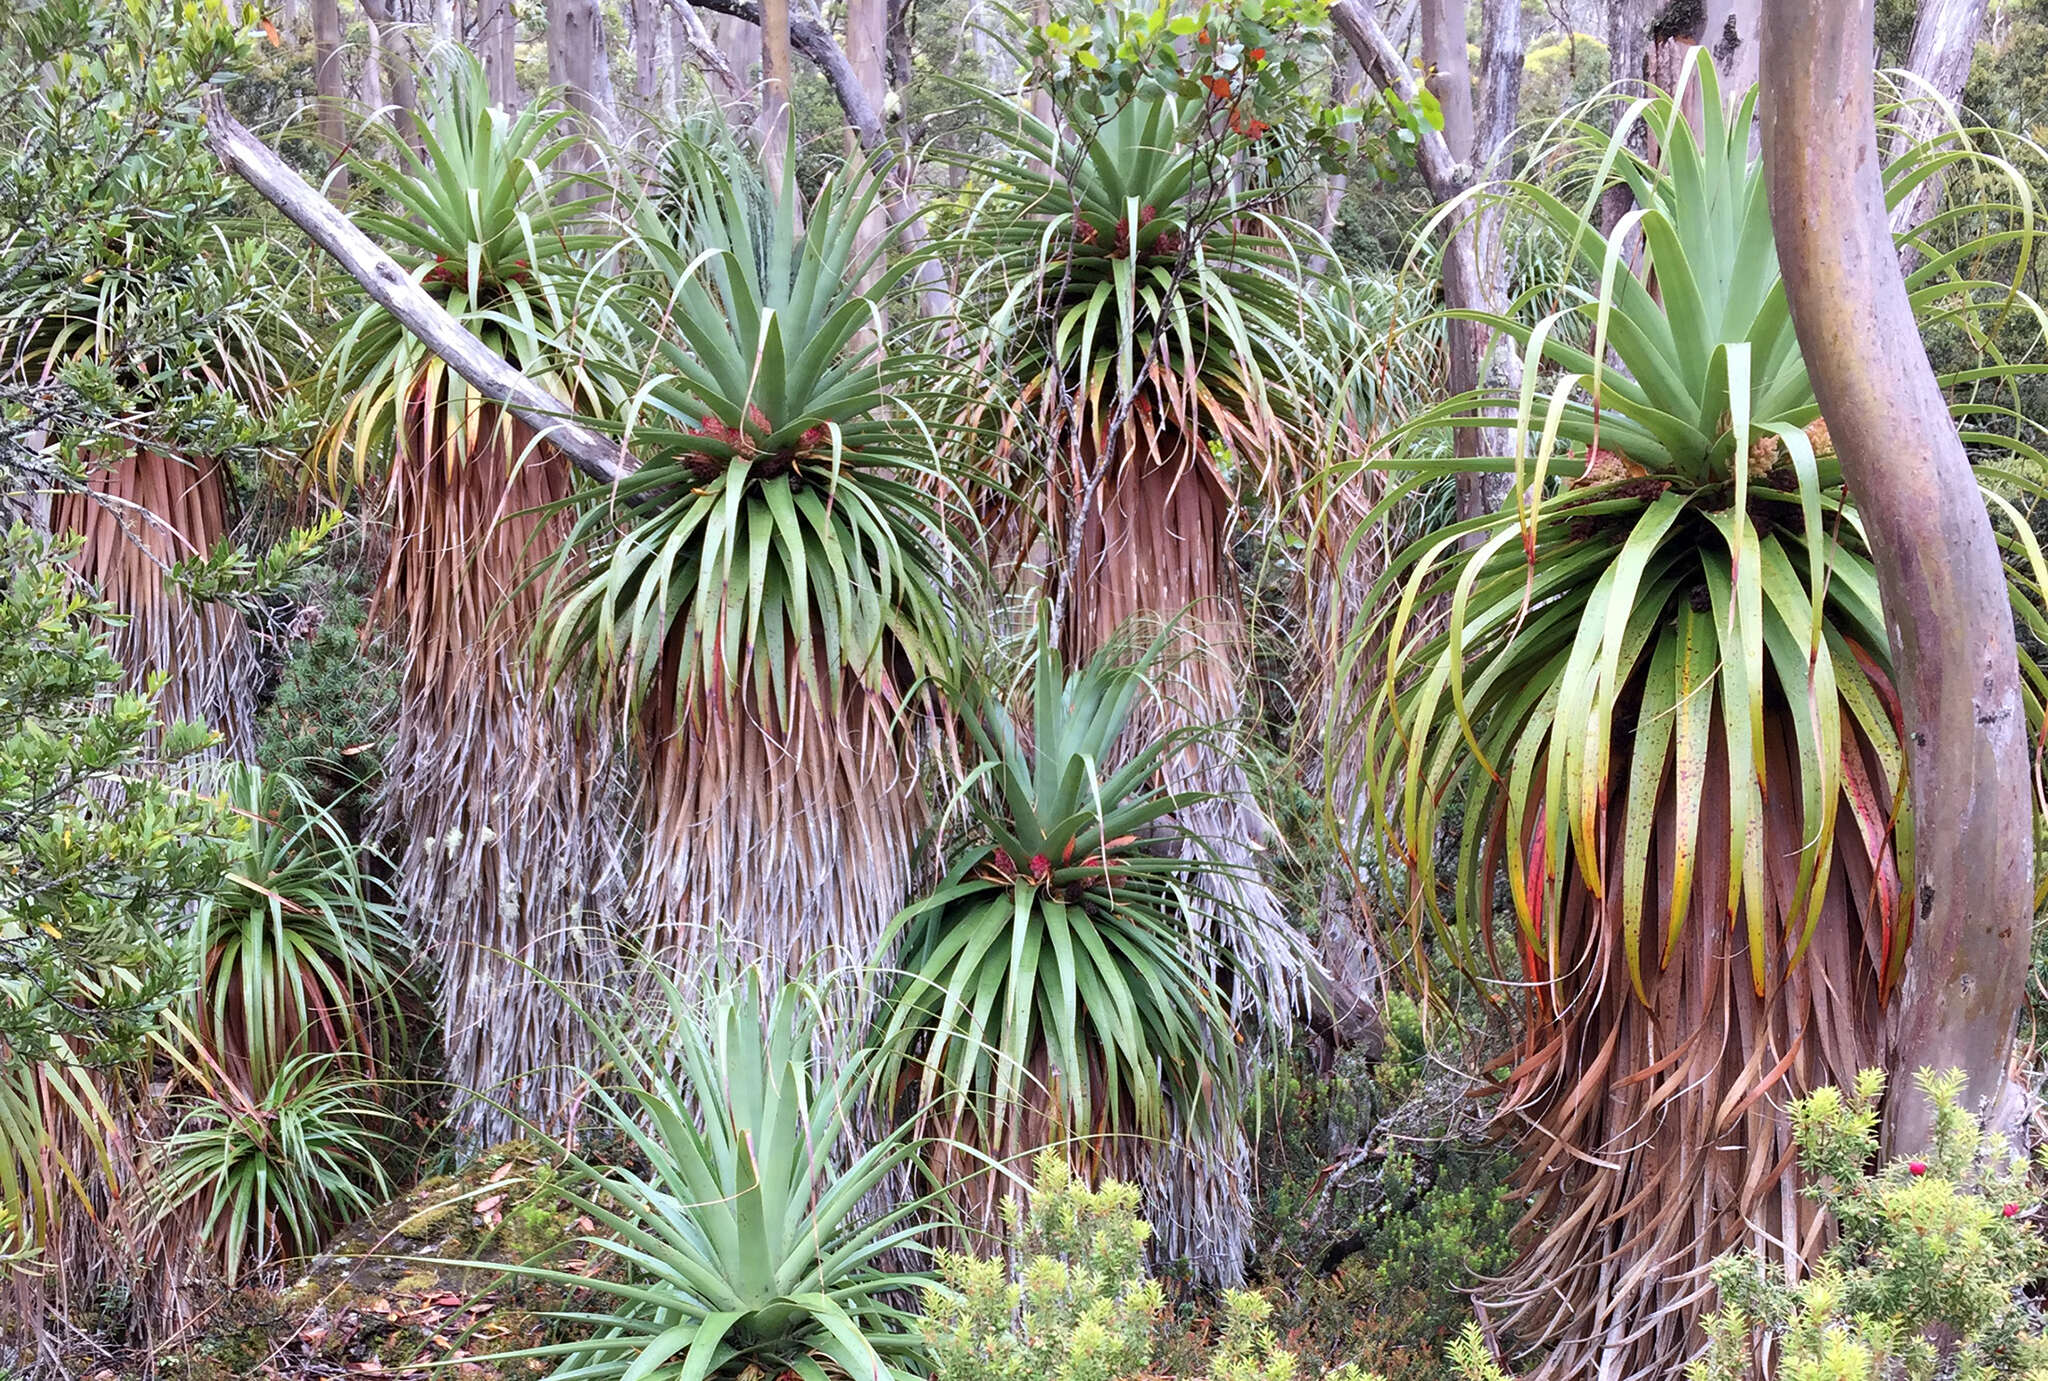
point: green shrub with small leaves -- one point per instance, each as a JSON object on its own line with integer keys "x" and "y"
{"x": 1937, "y": 1246}
{"x": 1080, "y": 1307}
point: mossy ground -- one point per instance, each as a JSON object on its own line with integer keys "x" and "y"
{"x": 393, "y": 1293}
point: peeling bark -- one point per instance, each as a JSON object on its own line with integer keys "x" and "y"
{"x": 1938, "y": 567}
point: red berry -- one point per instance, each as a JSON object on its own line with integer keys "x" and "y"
{"x": 1918, "y": 1167}
{"x": 2011, "y": 1209}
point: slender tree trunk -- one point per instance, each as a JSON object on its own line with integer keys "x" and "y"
{"x": 740, "y": 41}
{"x": 1733, "y": 37}
{"x": 1343, "y": 86}
{"x": 398, "y": 66}
{"x": 497, "y": 41}
{"x": 329, "y": 117}
{"x": 775, "y": 85}
{"x": 902, "y": 24}
{"x": 1628, "y": 66}
{"x": 1447, "y": 58}
{"x": 1938, "y": 566}
{"x": 578, "y": 63}
{"x": 1475, "y": 277}
{"x": 1944, "y": 42}
{"x": 867, "y": 42}
{"x": 645, "y": 16}
{"x": 373, "y": 63}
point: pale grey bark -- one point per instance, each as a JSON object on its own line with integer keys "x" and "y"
{"x": 397, "y": 59}
{"x": 496, "y": 35}
{"x": 579, "y": 63}
{"x": 1475, "y": 277}
{"x": 1939, "y": 569}
{"x": 775, "y": 86}
{"x": 1944, "y": 42}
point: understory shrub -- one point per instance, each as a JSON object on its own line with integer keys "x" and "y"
{"x": 1941, "y": 1245}
{"x": 1080, "y": 1306}
{"x": 1380, "y": 1205}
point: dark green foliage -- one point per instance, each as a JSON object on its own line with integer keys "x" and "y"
{"x": 1375, "y": 1252}
{"x": 328, "y": 721}
{"x": 90, "y": 896}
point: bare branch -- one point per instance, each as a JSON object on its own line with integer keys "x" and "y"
{"x": 389, "y": 286}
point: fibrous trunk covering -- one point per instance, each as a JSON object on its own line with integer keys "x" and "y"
{"x": 782, "y": 839}
{"x": 504, "y": 797}
{"x": 145, "y": 511}
{"x": 1656, "y": 1135}
{"x": 1157, "y": 547}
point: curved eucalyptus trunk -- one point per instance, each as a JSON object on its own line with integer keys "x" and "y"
{"x": 1938, "y": 564}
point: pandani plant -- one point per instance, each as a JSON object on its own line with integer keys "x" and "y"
{"x": 1657, "y": 702}
{"x": 155, "y": 487}
{"x": 762, "y": 597}
{"x": 1127, "y": 285}
{"x": 1158, "y": 361}
{"x": 737, "y": 1234}
{"x": 502, "y": 798}
{"x": 1058, "y": 987}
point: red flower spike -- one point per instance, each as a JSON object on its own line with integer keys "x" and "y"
{"x": 1918, "y": 1167}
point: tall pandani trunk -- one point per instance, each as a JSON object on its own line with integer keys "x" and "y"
{"x": 1156, "y": 546}
{"x": 777, "y": 836}
{"x": 506, "y": 799}
{"x": 143, "y": 511}
{"x": 1655, "y": 1130}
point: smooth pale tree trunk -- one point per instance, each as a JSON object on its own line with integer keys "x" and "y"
{"x": 775, "y": 86}
{"x": 1447, "y": 58}
{"x": 397, "y": 66}
{"x": 497, "y": 42}
{"x": 373, "y": 63}
{"x": 645, "y": 18}
{"x": 867, "y": 53}
{"x": 577, "y": 62}
{"x": 1938, "y": 566}
{"x": 1343, "y": 90}
{"x": 327, "y": 80}
{"x": 1733, "y": 36}
{"x": 740, "y": 41}
{"x": 1944, "y": 42}
{"x": 1452, "y": 162}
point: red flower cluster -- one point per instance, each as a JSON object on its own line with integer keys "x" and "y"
{"x": 446, "y": 270}
{"x": 746, "y": 443}
{"x": 1245, "y": 125}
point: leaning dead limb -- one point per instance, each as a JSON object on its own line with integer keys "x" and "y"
{"x": 392, "y": 288}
